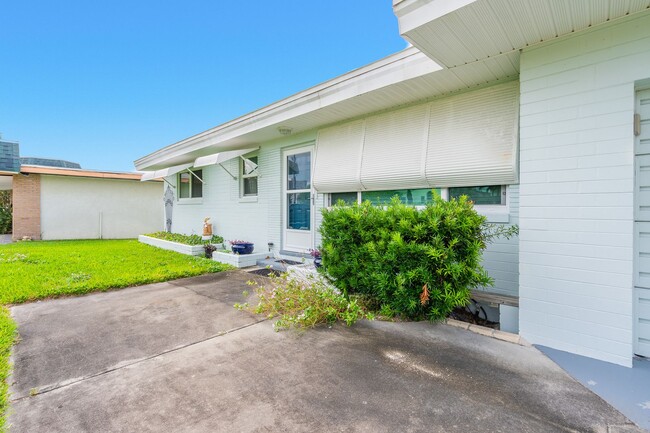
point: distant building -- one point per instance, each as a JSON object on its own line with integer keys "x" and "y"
{"x": 9, "y": 158}
{"x": 48, "y": 162}
{"x": 57, "y": 199}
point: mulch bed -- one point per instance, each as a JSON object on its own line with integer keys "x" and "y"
{"x": 464, "y": 315}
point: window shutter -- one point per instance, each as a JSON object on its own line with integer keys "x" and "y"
{"x": 394, "y": 149}
{"x": 473, "y": 138}
{"x": 338, "y": 158}
{"x": 463, "y": 140}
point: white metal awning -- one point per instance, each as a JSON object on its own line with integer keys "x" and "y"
{"x": 218, "y": 158}
{"x": 164, "y": 172}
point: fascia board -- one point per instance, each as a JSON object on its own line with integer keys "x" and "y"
{"x": 415, "y": 13}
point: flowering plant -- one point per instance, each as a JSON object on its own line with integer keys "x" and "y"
{"x": 238, "y": 242}
{"x": 315, "y": 253}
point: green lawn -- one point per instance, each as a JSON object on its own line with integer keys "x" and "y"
{"x": 37, "y": 270}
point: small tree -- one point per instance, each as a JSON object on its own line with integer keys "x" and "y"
{"x": 6, "y": 212}
{"x": 416, "y": 263}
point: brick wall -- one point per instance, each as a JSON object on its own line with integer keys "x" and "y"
{"x": 27, "y": 206}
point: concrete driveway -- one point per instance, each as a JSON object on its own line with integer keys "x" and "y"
{"x": 177, "y": 357}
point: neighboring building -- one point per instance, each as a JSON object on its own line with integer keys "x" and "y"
{"x": 48, "y": 162}
{"x": 527, "y": 106}
{"x": 9, "y": 157}
{"x": 59, "y": 200}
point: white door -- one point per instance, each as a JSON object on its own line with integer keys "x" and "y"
{"x": 642, "y": 228}
{"x": 298, "y": 200}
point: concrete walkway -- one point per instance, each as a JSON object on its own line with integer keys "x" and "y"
{"x": 627, "y": 389}
{"x": 177, "y": 357}
{"x": 5, "y": 239}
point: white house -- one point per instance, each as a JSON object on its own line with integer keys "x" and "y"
{"x": 539, "y": 110}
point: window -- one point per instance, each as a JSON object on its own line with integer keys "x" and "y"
{"x": 415, "y": 197}
{"x": 190, "y": 184}
{"x": 249, "y": 176}
{"x": 481, "y": 195}
{"x": 347, "y": 197}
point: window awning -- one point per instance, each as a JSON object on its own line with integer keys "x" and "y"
{"x": 164, "y": 172}
{"x": 218, "y": 158}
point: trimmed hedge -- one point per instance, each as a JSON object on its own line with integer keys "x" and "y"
{"x": 416, "y": 263}
{"x": 185, "y": 239}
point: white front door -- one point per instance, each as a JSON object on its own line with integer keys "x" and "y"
{"x": 642, "y": 228}
{"x": 298, "y": 200}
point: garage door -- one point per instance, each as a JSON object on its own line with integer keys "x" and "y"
{"x": 642, "y": 227}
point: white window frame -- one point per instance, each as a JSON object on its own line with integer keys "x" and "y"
{"x": 495, "y": 213}
{"x": 190, "y": 199}
{"x": 256, "y": 173}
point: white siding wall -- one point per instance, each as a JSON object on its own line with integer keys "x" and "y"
{"x": 258, "y": 221}
{"x": 501, "y": 258}
{"x": 577, "y": 181}
{"x": 71, "y": 208}
{"x": 261, "y": 221}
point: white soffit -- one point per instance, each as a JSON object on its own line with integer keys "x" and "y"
{"x": 218, "y": 158}
{"x": 164, "y": 172}
{"x": 483, "y": 29}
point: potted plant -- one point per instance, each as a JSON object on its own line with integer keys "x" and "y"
{"x": 241, "y": 247}
{"x": 209, "y": 249}
{"x": 318, "y": 260}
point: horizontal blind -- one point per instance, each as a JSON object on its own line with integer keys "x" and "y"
{"x": 473, "y": 138}
{"x": 394, "y": 148}
{"x": 338, "y": 158}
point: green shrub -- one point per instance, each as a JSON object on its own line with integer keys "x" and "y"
{"x": 5, "y": 212}
{"x": 302, "y": 303}
{"x": 185, "y": 239}
{"x": 416, "y": 263}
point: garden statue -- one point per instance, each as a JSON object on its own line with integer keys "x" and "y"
{"x": 207, "y": 227}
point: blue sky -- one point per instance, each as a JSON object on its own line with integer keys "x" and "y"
{"x": 104, "y": 83}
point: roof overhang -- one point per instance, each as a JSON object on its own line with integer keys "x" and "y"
{"x": 59, "y": 171}
{"x": 458, "y": 32}
{"x": 404, "y": 78}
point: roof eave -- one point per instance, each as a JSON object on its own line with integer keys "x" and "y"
{"x": 459, "y": 32}
{"x": 324, "y": 94}
{"x": 75, "y": 172}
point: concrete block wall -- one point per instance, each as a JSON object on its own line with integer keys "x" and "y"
{"x": 99, "y": 208}
{"x": 258, "y": 220}
{"x": 26, "y": 206}
{"x": 501, "y": 258}
{"x": 576, "y": 188}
